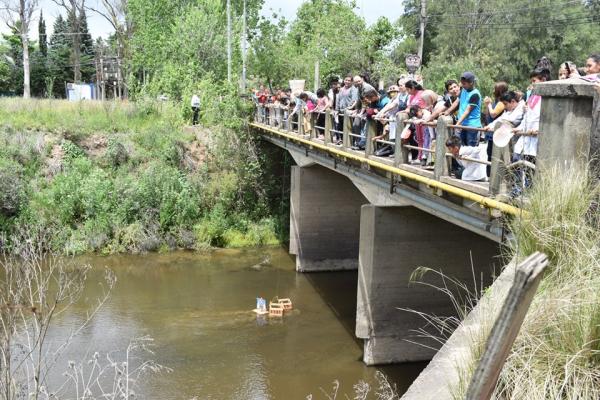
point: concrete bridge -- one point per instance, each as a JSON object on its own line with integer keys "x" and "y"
{"x": 352, "y": 210}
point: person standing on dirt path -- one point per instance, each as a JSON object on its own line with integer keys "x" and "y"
{"x": 195, "y": 109}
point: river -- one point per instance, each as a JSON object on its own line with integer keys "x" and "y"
{"x": 197, "y": 308}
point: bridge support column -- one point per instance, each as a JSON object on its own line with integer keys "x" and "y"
{"x": 394, "y": 241}
{"x": 324, "y": 220}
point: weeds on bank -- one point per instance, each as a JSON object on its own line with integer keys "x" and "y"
{"x": 362, "y": 390}
{"x": 557, "y": 352}
{"x": 150, "y": 186}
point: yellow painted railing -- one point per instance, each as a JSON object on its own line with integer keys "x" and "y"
{"x": 465, "y": 194}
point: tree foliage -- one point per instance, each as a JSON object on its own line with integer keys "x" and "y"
{"x": 500, "y": 39}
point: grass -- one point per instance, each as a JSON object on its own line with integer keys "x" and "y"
{"x": 84, "y": 117}
{"x": 557, "y": 352}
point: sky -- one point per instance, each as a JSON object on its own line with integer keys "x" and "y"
{"x": 371, "y": 10}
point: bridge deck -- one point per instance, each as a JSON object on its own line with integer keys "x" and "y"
{"x": 467, "y": 204}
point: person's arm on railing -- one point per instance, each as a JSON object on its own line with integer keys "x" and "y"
{"x": 387, "y": 108}
{"x": 452, "y": 108}
{"x": 465, "y": 114}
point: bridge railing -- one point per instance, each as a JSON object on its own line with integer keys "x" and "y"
{"x": 323, "y": 130}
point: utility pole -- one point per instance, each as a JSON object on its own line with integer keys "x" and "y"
{"x": 229, "y": 41}
{"x": 102, "y": 82}
{"x": 423, "y": 21}
{"x": 244, "y": 49}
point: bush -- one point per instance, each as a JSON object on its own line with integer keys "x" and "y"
{"x": 12, "y": 191}
{"x": 116, "y": 153}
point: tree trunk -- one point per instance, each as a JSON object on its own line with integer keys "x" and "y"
{"x": 26, "y": 70}
{"x": 76, "y": 55}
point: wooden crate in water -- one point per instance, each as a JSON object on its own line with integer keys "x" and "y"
{"x": 275, "y": 310}
{"x": 286, "y": 304}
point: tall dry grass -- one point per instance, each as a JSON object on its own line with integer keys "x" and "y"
{"x": 557, "y": 353}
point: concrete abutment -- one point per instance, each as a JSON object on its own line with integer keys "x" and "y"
{"x": 394, "y": 241}
{"x": 324, "y": 220}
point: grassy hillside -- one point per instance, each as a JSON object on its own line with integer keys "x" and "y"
{"x": 130, "y": 177}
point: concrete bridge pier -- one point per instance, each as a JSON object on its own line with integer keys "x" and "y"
{"x": 324, "y": 220}
{"x": 394, "y": 241}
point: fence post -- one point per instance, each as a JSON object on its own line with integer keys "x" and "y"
{"x": 401, "y": 153}
{"x": 507, "y": 325}
{"x": 371, "y": 133}
{"x": 347, "y": 129}
{"x": 328, "y": 124}
{"x": 313, "y": 125}
{"x": 301, "y": 122}
{"x": 500, "y": 158}
{"x": 441, "y": 161}
{"x": 280, "y": 117}
{"x": 290, "y": 126}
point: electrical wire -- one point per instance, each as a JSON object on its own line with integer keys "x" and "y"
{"x": 511, "y": 11}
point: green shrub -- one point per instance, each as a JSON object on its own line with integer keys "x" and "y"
{"x": 116, "y": 153}
{"x": 12, "y": 190}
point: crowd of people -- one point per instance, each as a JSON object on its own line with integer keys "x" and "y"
{"x": 475, "y": 116}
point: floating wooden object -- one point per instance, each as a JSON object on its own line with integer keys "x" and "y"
{"x": 261, "y": 306}
{"x": 286, "y": 304}
{"x": 275, "y": 309}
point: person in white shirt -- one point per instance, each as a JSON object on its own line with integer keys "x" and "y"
{"x": 468, "y": 170}
{"x": 514, "y": 108}
{"x": 526, "y": 146}
{"x": 195, "y": 109}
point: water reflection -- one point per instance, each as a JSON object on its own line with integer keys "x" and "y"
{"x": 197, "y": 307}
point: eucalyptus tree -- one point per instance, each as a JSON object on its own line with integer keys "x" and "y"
{"x": 18, "y": 16}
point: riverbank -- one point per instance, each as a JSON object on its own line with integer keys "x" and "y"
{"x": 118, "y": 177}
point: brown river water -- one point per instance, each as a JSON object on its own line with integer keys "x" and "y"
{"x": 197, "y": 307}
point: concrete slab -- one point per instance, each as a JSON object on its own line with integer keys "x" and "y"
{"x": 394, "y": 241}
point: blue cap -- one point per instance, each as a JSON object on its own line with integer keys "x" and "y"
{"x": 468, "y": 76}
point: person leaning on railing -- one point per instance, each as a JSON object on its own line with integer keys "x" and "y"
{"x": 387, "y": 118}
{"x": 469, "y": 109}
{"x": 346, "y": 97}
{"x": 465, "y": 169}
{"x": 514, "y": 108}
{"x": 358, "y": 108}
{"x": 375, "y": 103}
{"x": 319, "y": 111}
{"x": 526, "y": 146}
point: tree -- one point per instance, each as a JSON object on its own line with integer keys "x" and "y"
{"x": 17, "y": 15}
{"x": 88, "y": 69}
{"x": 42, "y": 36}
{"x": 60, "y": 69}
{"x": 74, "y": 10}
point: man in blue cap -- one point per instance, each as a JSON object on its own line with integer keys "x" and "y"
{"x": 469, "y": 109}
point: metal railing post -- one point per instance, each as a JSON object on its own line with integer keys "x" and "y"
{"x": 328, "y": 124}
{"x": 441, "y": 161}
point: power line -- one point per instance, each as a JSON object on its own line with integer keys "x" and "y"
{"x": 528, "y": 24}
{"x": 507, "y": 11}
{"x": 521, "y": 26}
